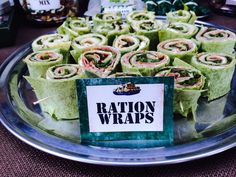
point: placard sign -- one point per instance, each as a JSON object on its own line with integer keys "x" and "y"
{"x": 123, "y": 6}
{"x": 126, "y": 108}
{"x": 44, "y": 4}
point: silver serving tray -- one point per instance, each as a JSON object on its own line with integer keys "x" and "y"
{"x": 214, "y": 132}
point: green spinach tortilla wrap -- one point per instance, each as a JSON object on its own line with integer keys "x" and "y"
{"x": 39, "y": 62}
{"x": 218, "y": 69}
{"x": 148, "y": 28}
{"x": 100, "y": 61}
{"x": 125, "y": 74}
{"x": 87, "y": 40}
{"x": 74, "y": 26}
{"x": 51, "y": 41}
{"x": 57, "y": 93}
{"x": 189, "y": 83}
{"x": 177, "y": 30}
{"x": 107, "y": 18}
{"x": 181, "y": 48}
{"x": 111, "y": 30}
{"x": 137, "y": 16}
{"x": 131, "y": 42}
{"x": 147, "y": 63}
{"x": 181, "y": 16}
{"x": 216, "y": 40}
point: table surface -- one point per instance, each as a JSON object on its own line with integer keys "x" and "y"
{"x": 20, "y": 159}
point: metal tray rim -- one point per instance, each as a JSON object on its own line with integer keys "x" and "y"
{"x": 28, "y": 140}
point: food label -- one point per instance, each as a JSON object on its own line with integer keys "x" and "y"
{"x": 44, "y": 4}
{"x": 115, "y": 110}
{"x": 109, "y": 3}
{"x": 125, "y": 108}
{"x": 230, "y": 2}
{"x": 123, "y": 6}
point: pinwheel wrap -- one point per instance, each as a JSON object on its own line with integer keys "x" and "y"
{"x": 111, "y": 30}
{"x": 39, "y": 62}
{"x": 137, "y": 16}
{"x": 181, "y": 48}
{"x": 107, "y": 18}
{"x": 216, "y": 40}
{"x": 125, "y": 74}
{"x": 148, "y": 28}
{"x": 100, "y": 61}
{"x": 51, "y": 41}
{"x": 218, "y": 69}
{"x": 74, "y": 26}
{"x": 131, "y": 42}
{"x": 147, "y": 63}
{"x": 177, "y": 30}
{"x": 87, "y": 40}
{"x": 189, "y": 83}
{"x": 181, "y": 16}
{"x": 57, "y": 93}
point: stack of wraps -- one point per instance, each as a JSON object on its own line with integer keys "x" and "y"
{"x": 200, "y": 59}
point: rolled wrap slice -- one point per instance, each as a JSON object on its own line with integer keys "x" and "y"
{"x": 137, "y": 16}
{"x": 125, "y": 74}
{"x": 51, "y": 41}
{"x": 146, "y": 63}
{"x": 131, "y": 42}
{"x": 181, "y": 16}
{"x": 57, "y": 93}
{"x": 108, "y": 17}
{"x": 100, "y": 61}
{"x": 189, "y": 83}
{"x": 148, "y": 28}
{"x": 39, "y": 62}
{"x": 74, "y": 26}
{"x": 181, "y": 48}
{"x": 64, "y": 72}
{"x": 112, "y": 30}
{"x": 216, "y": 40}
{"x": 84, "y": 41}
{"x": 177, "y": 30}
{"x": 218, "y": 69}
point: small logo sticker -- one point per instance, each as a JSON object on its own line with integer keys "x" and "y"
{"x": 127, "y": 89}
